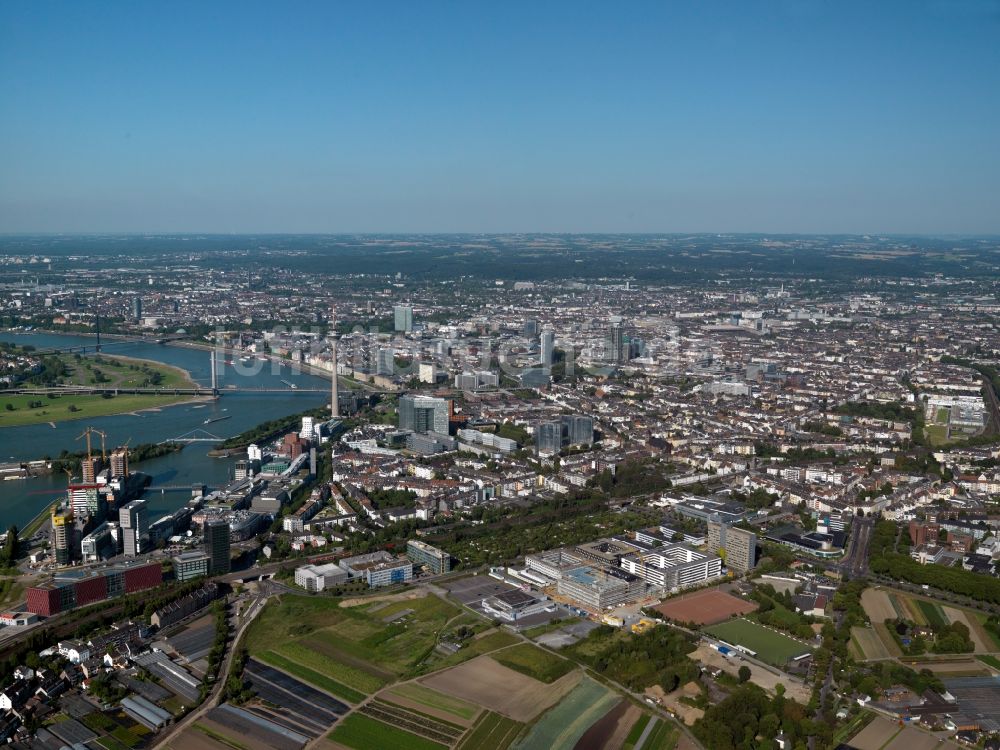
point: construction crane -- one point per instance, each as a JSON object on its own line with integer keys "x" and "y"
{"x": 87, "y": 433}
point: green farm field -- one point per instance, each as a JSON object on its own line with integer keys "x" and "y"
{"x": 362, "y": 732}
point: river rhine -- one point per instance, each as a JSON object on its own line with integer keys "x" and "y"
{"x": 22, "y": 500}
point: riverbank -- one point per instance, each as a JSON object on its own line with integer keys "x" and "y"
{"x": 109, "y": 371}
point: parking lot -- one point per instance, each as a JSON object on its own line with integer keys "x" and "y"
{"x": 474, "y": 589}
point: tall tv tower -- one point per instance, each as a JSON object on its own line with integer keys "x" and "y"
{"x": 334, "y": 396}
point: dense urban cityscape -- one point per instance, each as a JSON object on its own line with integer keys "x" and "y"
{"x": 645, "y": 509}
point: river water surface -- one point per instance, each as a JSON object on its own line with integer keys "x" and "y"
{"x": 20, "y": 501}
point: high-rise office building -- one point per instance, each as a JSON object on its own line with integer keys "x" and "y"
{"x": 119, "y": 462}
{"x": 617, "y": 342}
{"x": 403, "y": 318}
{"x": 738, "y": 547}
{"x": 89, "y": 469}
{"x": 577, "y": 429}
{"x": 217, "y": 545}
{"x": 63, "y": 535}
{"x": 530, "y": 329}
{"x": 137, "y": 308}
{"x": 424, "y": 414}
{"x": 384, "y": 364}
{"x": 134, "y": 522}
{"x": 471, "y": 381}
{"x": 548, "y": 438}
{"x": 547, "y": 346}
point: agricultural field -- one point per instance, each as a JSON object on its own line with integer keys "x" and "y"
{"x": 418, "y": 723}
{"x": 488, "y": 683}
{"x": 361, "y": 648}
{"x": 361, "y": 732}
{"x": 491, "y": 732}
{"x": 563, "y": 725}
{"x": 770, "y": 645}
{"x": 869, "y": 644}
{"x": 534, "y": 662}
{"x": 883, "y": 604}
{"x": 706, "y": 607}
{"x": 933, "y": 613}
{"x": 430, "y": 701}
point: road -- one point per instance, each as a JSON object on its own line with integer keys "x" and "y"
{"x": 212, "y": 699}
{"x": 855, "y": 563}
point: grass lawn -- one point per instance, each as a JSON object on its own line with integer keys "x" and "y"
{"x": 110, "y": 743}
{"x": 937, "y": 434}
{"x": 771, "y": 646}
{"x": 990, "y": 661}
{"x": 561, "y": 726}
{"x": 58, "y": 409}
{"x": 491, "y": 732}
{"x": 365, "y": 733}
{"x": 534, "y": 662}
{"x": 10, "y": 592}
{"x": 549, "y": 627}
{"x": 433, "y": 699}
{"x": 312, "y": 677}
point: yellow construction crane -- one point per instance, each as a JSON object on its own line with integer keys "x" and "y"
{"x": 104, "y": 453}
{"x": 87, "y": 433}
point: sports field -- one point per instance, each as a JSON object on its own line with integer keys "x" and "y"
{"x": 770, "y": 645}
{"x": 705, "y": 607}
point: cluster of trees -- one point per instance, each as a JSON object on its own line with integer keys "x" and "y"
{"x": 771, "y": 450}
{"x": 565, "y": 520}
{"x": 879, "y": 676}
{"x": 273, "y": 428}
{"x": 9, "y": 553}
{"x": 948, "y": 638}
{"x": 893, "y": 412}
{"x": 106, "y": 689}
{"x": 514, "y": 432}
{"x": 390, "y": 498}
{"x": 823, "y": 428}
{"x": 955, "y": 580}
{"x": 748, "y": 715}
{"x": 218, "y": 650}
{"x": 658, "y": 656}
{"x": 238, "y": 690}
{"x": 642, "y": 477}
{"x": 756, "y": 500}
{"x": 778, "y": 611}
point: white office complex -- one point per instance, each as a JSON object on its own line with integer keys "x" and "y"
{"x": 673, "y": 566}
{"x": 319, "y": 577}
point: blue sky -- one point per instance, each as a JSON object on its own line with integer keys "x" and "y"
{"x": 751, "y": 115}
